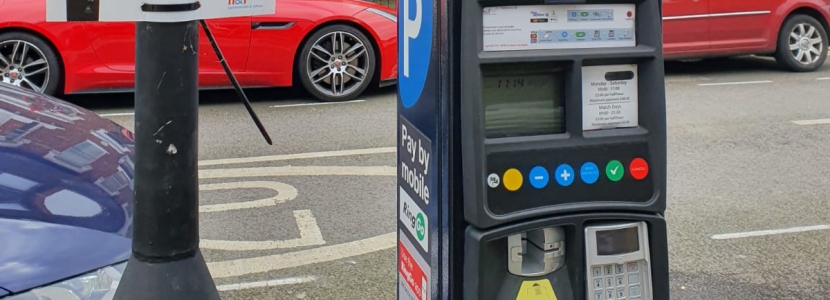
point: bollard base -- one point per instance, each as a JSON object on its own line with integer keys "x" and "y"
{"x": 184, "y": 279}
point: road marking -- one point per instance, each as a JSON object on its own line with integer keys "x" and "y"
{"x": 268, "y": 283}
{"x": 768, "y": 232}
{"x": 734, "y": 83}
{"x": 284, "y": 191}
{"x": 245, "y": 266}
{"x": 299, "y": 171}
{"x": 315, "y": 103}
{"x": 812, "y": 122}
{"x": 823, "y": 78}
{"x": 116, "y": 114}
{"x": 310, "y": 235}
{"x": 242, "y": 160}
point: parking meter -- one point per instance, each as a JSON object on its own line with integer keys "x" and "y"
{"x": 532, "y": 137}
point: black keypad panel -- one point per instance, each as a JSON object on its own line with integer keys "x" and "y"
{"x": 523, "y": 180}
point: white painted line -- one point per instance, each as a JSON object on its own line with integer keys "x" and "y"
{"x": 261, "y": 264}
{"x": 284, "y": 191}
{"x": 310, "y": 235}
{"x": 812, "y": 122}
{"x": 768, "y": 232}
{"x": 299, "y": 171}
{"x": 242, "y": 160}
{"x": 823, "y": 78}
{"x": 315, "y": 103}
{"x": 117, "y": 114}
{"x": 734, "y": 83}
{"x": 268, "y": 283}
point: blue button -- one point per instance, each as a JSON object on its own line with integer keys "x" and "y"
{"x": 564, "y": 175}
{"x": 573, "y": 14}
{"x": 589, "y": 172}
{"x": 564, "y": 34}
{"x": 539, "y": 177}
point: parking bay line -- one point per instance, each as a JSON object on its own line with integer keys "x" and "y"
{"x": 266, "y": 283}
{"x": 117, "y": 114}
{"x": 734, "y": 83}
{"x": 738, "y": 235}
{"x": 823, "y": 78}
{"x": 812, "y": 122}
{"x": 262, "y": 264}
{"x": 315, "y": 104}
{"x": 307, "y": 155}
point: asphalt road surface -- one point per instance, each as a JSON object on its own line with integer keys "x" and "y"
{"x": 313, "y": 217}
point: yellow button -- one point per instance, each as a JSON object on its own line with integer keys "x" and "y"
{"x": 512, "y": 180}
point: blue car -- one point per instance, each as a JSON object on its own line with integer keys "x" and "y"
{"x": 66, "y": 199}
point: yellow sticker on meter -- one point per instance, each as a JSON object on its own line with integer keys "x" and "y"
{"x": 536, "y": 290}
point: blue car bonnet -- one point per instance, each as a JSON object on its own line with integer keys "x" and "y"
{"x": 66, "y": 190}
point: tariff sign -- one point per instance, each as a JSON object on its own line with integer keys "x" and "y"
{"x": 411, "y": 273}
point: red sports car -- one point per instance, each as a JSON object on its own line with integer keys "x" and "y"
{"x": 334, "y": 48}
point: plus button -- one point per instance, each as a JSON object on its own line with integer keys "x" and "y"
{"x": 565, "y": 175}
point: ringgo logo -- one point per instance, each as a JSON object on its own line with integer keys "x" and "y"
{"x": 415, "y": 220}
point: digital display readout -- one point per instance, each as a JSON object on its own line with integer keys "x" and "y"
{"x": 616, "y": 242}
{"x": 523, "y": 104}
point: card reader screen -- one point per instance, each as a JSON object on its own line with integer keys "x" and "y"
{"x": 522, "y": 103}
{"x": 615, "y": 242}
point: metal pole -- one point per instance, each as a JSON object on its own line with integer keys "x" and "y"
{"x": 166, "y": 262}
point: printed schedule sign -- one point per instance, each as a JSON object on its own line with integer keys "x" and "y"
{"x": 535, "y": 27}
{"x": 609, "y": 97}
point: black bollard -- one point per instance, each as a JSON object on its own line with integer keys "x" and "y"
{"x": 166, "y": 262}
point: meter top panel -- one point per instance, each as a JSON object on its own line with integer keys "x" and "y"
{"x": 562, "y": 108}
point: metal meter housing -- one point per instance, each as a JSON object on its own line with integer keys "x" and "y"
{"x": 512, "y": 154}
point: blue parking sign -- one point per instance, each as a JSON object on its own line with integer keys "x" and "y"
{"x": 414, "y": 48}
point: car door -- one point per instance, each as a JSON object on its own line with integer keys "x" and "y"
{"x": 740, "y": 24}
{"x": 114, "y": 44}
{"x": 685, "y": 26}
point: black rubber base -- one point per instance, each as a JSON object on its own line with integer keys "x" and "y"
{"x": 186, "y": 279}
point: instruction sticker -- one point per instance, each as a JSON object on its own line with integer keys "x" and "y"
{"x": 413, "y": 273}
{"x": 536, "y": 290}
{"x": 609, "y": 97}
{"x": 535, "y": 27}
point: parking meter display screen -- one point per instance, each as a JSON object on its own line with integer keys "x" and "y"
{"x": 522, "y": 103}
{"x": 616, "y": 242}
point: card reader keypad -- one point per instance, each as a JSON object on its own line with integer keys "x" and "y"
{"x": 617, "y": 281}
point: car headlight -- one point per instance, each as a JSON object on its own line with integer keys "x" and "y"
{"x": 384, "y": 14}
{"x": 96, "y": 285}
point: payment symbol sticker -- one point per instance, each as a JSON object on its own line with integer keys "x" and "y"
{"x": 536, "y": 290}
{"x": 614, "y": 170}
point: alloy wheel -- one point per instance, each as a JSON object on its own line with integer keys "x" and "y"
{"x": 338, "y": 63}
{"x": 806, "y": 44}
{"x": 23, "y": 64}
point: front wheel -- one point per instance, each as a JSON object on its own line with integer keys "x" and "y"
{"x": 27, "y": 61}
{"x": 337, "y": 63}
{"x": 802, "y": 44}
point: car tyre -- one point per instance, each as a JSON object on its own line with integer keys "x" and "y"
{"x": 35, "y": 64}
{"x": 336, "y": 63}
{"x": 802, "y": 44}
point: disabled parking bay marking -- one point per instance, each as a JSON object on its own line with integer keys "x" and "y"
{"x": 309, "y": 232}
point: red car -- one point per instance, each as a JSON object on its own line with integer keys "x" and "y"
{"x": 334, "y": 48}
{"x": 793, "y": 31}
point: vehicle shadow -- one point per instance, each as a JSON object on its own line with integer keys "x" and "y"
{"x": 206, "y": 97}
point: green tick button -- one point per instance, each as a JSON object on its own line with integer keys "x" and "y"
{"x": 614, "y": 170}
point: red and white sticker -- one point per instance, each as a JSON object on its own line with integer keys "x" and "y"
{"x": 412, "y": 275}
